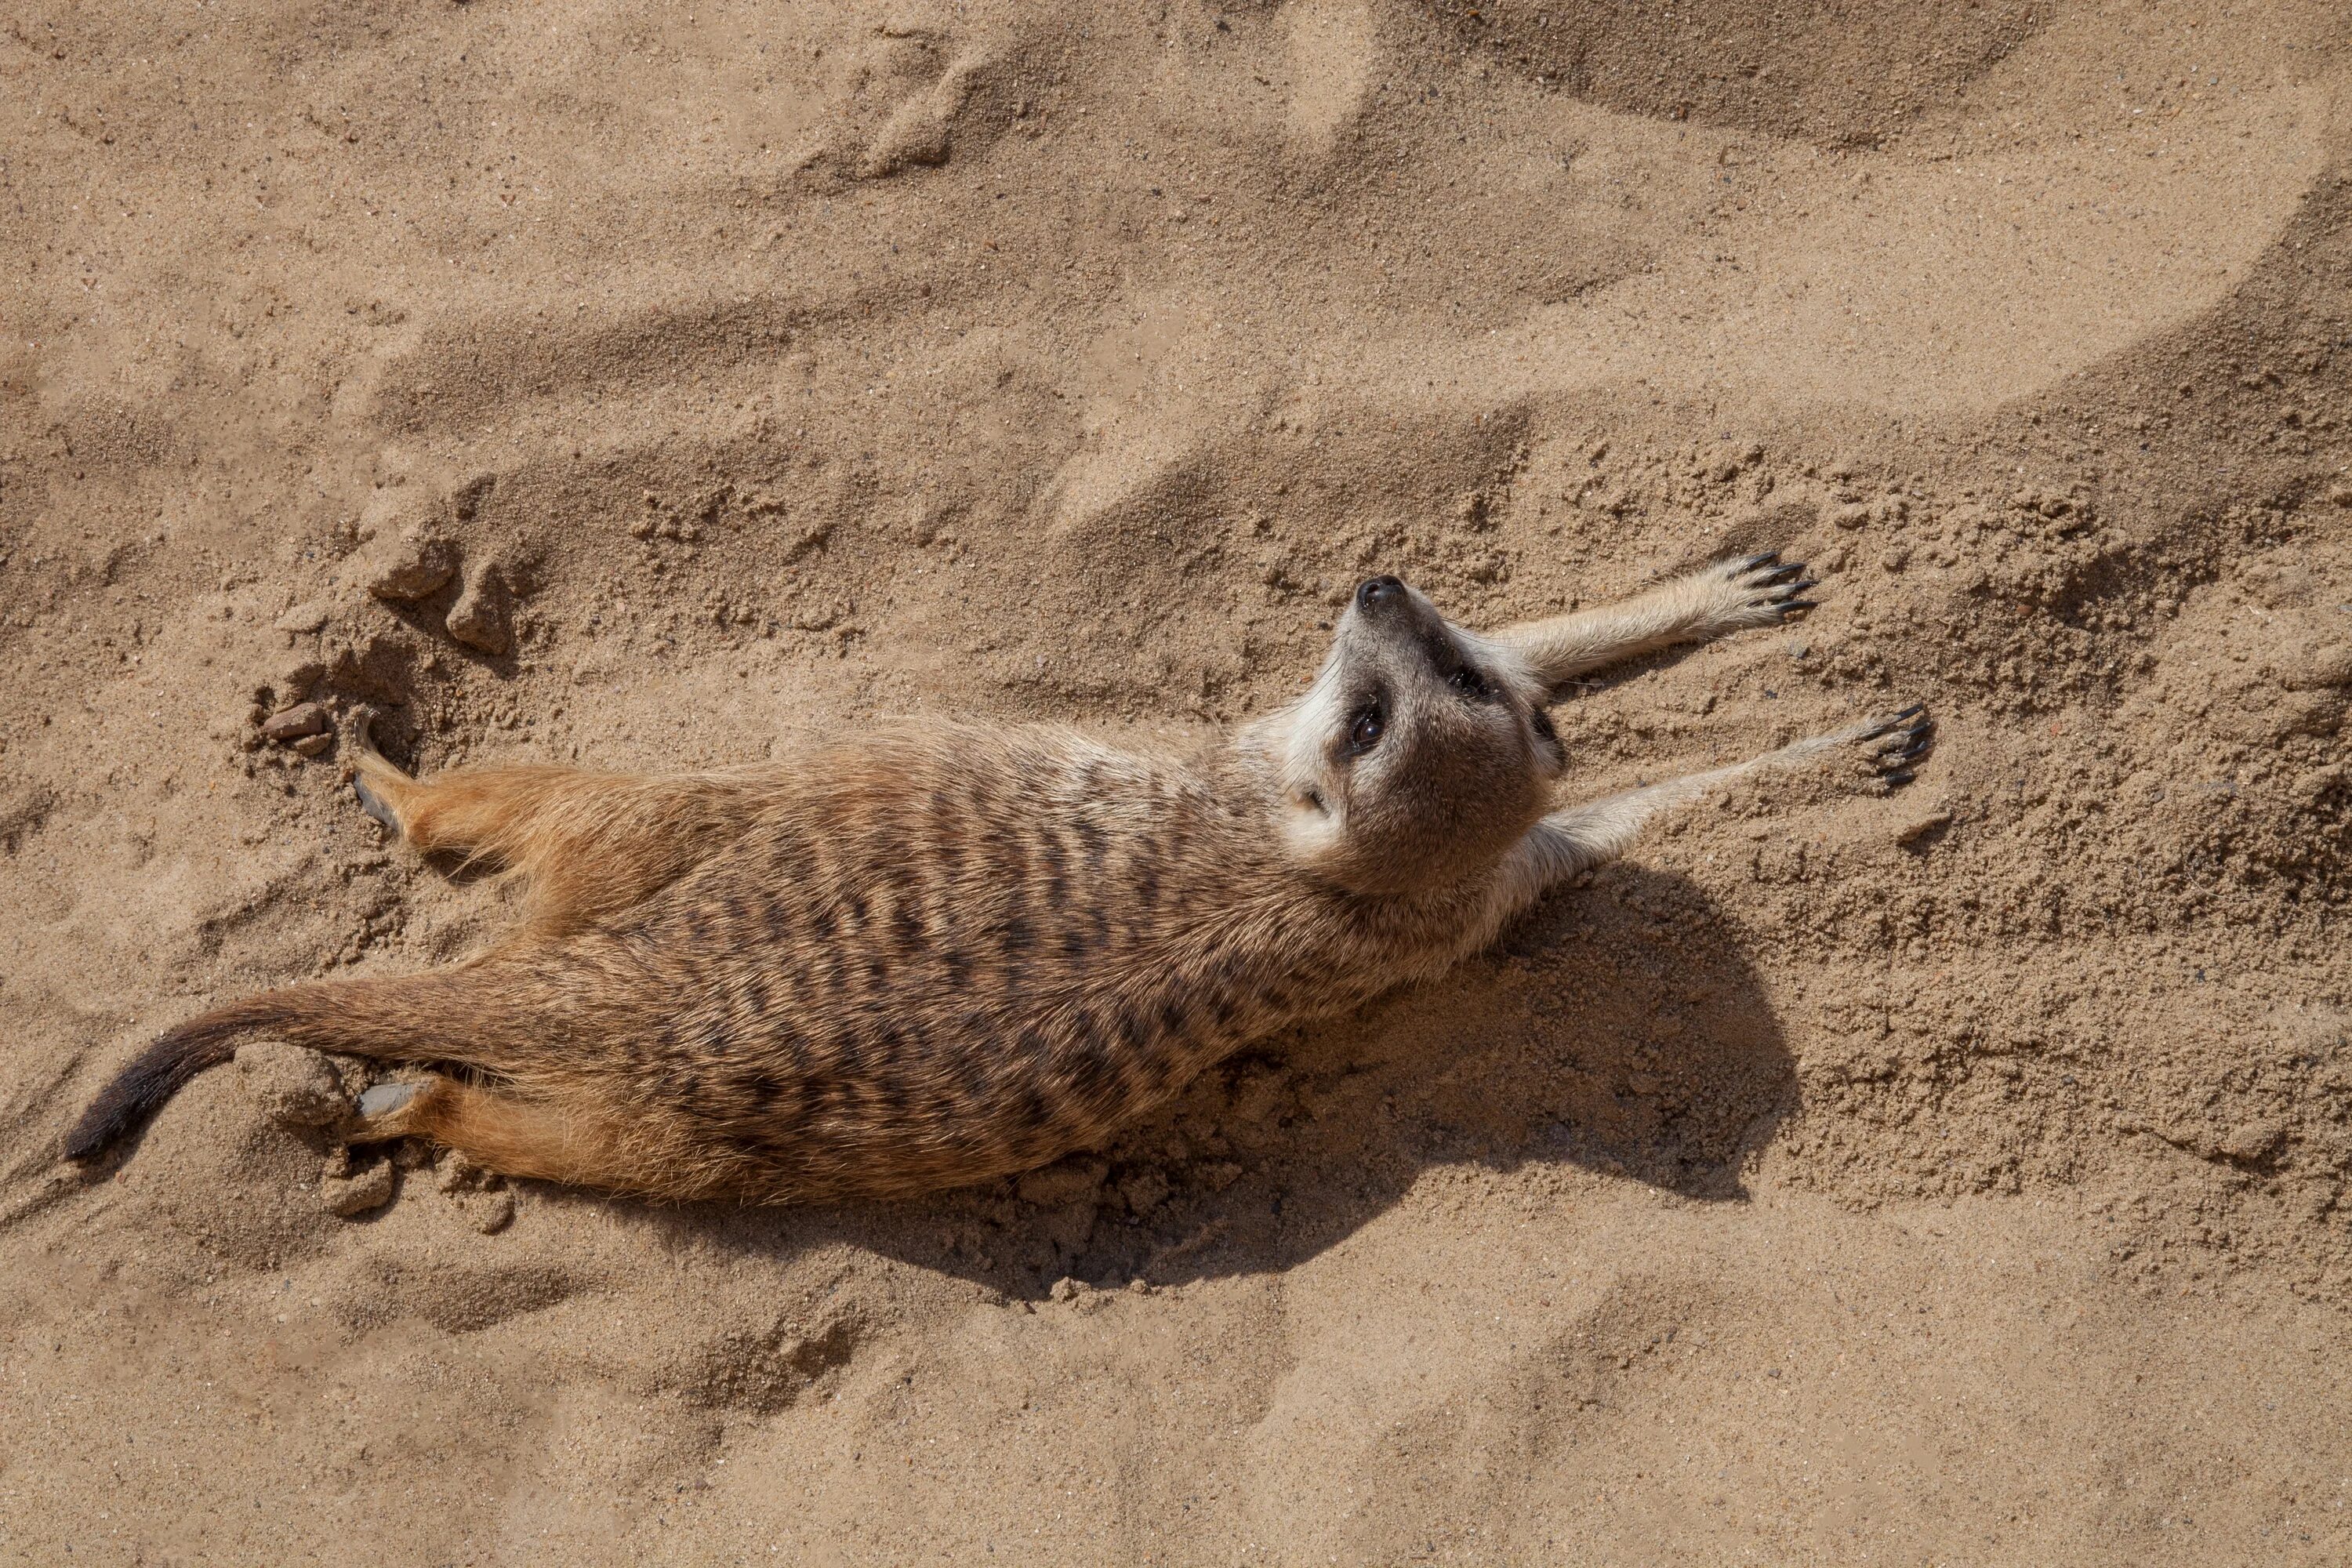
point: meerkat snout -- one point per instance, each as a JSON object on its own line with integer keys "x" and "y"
{"x": 1419, "y": 755}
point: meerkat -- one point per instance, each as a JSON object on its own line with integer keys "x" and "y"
{"x": 944, "y": 953}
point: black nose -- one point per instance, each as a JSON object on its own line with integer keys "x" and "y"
{"x": 1376, "y": 591}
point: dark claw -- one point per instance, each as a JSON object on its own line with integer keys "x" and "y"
{"x": 1808, "y": 582}
{"x": 1753, "y": 562}
{"x": 1783, "y": 573}
{"x": 1889, "y": 726}
{"x": 1788, "y": 606}
{"x": 1898, "y": 778}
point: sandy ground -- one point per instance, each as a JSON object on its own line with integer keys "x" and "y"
{"x": 1957, "y": 1177}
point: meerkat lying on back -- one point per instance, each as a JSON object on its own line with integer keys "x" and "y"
{"x": 945, "y": 952}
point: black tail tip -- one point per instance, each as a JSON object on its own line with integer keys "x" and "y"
{"x": 139, "y": 1090}
{"x": 97, "y": 1132}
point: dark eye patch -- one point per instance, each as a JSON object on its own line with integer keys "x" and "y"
{"x": 1460, "y": 674}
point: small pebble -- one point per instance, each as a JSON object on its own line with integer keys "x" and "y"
{"x": 314, "y": 745}
{"x": 356, "y": 1195}
{"x": 478, "y": 618}
{"x": 303, "y": 619}
{"x": 294, "y": 1087}
{"x": 1919, "y": 826}
{"x": 2320, "y": 670}
{"x": 491, "y": 1213}
{"x": 293, "y": 681}
{"x": 1145, "y": 1190}
{"x": 458, "y": 1173}
{"x": 410, "y": 566}
{"x": 302, "y": 719}
{"x": 1064, "y": 1182}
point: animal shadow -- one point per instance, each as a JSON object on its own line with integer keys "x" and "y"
{"x": 1619, "y": 1027}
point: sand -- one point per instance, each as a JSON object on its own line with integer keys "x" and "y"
{"x": 1953, "y": 1177}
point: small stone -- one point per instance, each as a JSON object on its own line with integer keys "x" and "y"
{"x": 491, "y": 1213}
{"x": 1061, "y": 1184}
{"x": 370, "y": 1189}
{"x": 917, "y": 136}
{"x": 1145, "y": 1190}
{"x": 2252, "y": 1141}
{"x": 293, "y": 723}
{"x": 1066, "y": 1289}
{"x": 305, "y": 618}
{"x": 293, "y": 682}
{"x": 2314, "y": 784}
{"x": 293, "y": 1087}
{"x": 466, "y": 500}
{"x": 2320, "y": 670}
{"x": 1919, "y": 826}
{"x": 458, "y": 1173}
{"x": 314, "y": 745}
{"x": 479, "y": 618}
{"x": 410, "y": 566}
{"x": 1220, "y": 1175}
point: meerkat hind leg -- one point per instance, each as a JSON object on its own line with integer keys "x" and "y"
{"x": 587, "y": 845}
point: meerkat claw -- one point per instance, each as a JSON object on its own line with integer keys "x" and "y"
{"x": 381, "y": 1100}
{"x": 1897, "y": 742}
{"x": 359, "y": 728}
{"x": 1775, "y": 585}
{"x": 372, "y": 804}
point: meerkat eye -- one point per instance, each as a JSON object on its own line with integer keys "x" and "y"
{"x": 1470, "y": 683}
{"x": 1365, "y": 729}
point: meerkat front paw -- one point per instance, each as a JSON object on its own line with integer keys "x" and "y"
{"x": 1892, "y": 746}
{"x": 1756, "y": 591}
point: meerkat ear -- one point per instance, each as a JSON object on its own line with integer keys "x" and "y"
{"x": 1310, "y": 827}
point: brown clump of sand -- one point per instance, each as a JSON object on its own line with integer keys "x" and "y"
{"x": 1955, "y": 1176}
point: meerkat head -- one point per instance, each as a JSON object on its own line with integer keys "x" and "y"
{"x": 1421, "y": 753}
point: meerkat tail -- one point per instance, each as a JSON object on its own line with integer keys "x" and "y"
{"x": 416, "y": 1016}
